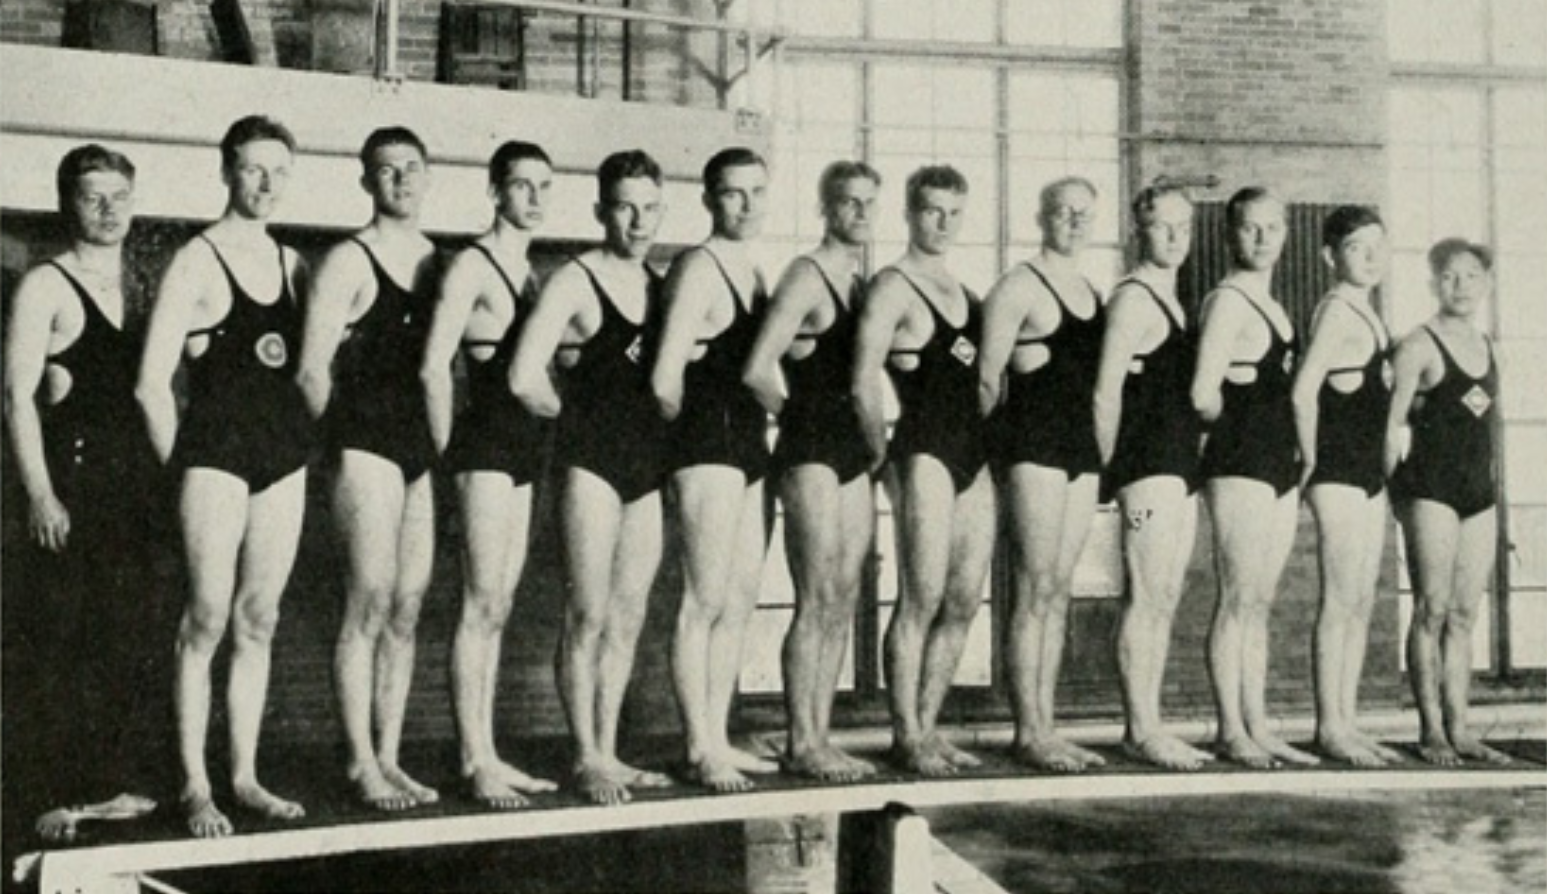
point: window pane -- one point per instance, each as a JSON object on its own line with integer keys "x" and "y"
{"x": 1518, "y": 282}
{"x": 1071, "y": 23}
{"x": 1524, "y": 446}
{"x": 1528, "y": 625}
{"x": 1528, "y": 528}
{"x": 1436, "y": 30}
{"x": 822, "y": 18}
{"x": 1520, "y": 32}
{"x": 970, "y": 21}
{"x": 1524, "y": 365}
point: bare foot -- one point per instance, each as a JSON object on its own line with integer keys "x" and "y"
{"x": 58, "y": 826}
{"x": 825, "y": 764}
{"x": 861, "y": 767}
{"x": 634, "y": 777}
{"x": 1243, "y": 750}
{"x": 1472, "y": 748}
{"x": 718, "y": 772}
{"x": 1373, "y": 745}
{"x": 959, "y": 758}
{"x": 1087, "y": 757}
{"x": 747, "y": 762}
{"x": 376, "y": 792}
{"x": 598, "y": 783}
{"x": 922, "y": 759}
{"x": 421, "y": 793}
{"x": 491, "y": 791}
{"x": 260, "y": 800}
{"x": 1346, "y": 747}
{"x": 1167, "y": 751}
{"x": 123, "y": 806}
{"x": 1286, "y": 752}
{"x": 204, "y": 819}
{"x": 520, "y": 781}
{"x": 1438, "y": 751}
{"x": 1047, "y": 753}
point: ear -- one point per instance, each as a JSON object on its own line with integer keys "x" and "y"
{"x": 600, "y": 212}
{"x": 1326, "y": 255}
{"x": 707, "y": 198}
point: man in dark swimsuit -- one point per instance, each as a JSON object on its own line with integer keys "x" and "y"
{"x": 1148, "y": 435}
{"x": 366, "y": 324}
{"x": 227, "y": 308}
{"x": 594, "y": 319}
{"x": 822, "y": 461}
{"x": 497, "y": 450}
{"x": 87, "y": 632}
{"x": 1042, "y": 327}
{"x": 920, "y": 323}
{"x": 1241, "y": 387}
{"x": 1342, "y": 396}
{"x": 714, "y": 302}
{"x": 1440, "y": 455}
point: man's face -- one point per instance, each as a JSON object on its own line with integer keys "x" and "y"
{"x": 397, "y": 179}
{"x": 935, "y": 220}
{"x": 631, "y": 214}
{"x": 1066, "y": 220}
{"x": 257, "y": 178}
{"x": 1257, "y": 239}
{"x": 850, "y": 211}
{"x": 1360, "y": 259}
{"x": 1462, "y": 285}
{"x": 737, "y": 202}
{"x": 519, "y": 199}
{"x": 103, "y": 207}
{"x": 1165, "y": 237}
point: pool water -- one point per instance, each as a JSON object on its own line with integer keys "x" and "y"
{"x": 1404, "y": 842}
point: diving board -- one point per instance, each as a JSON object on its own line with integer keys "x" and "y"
{"x": 115, "y": 868}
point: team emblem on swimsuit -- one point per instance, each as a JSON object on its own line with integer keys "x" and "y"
{"x": 271, "y": 350}
{"x": 636, "y": 349}
{"x": 964, "y": 350}
{"x": 1478, "y": 401}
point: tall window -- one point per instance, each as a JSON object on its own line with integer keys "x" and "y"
{"x": 1014, "y": 94}
{"x": 1468, "y": 137}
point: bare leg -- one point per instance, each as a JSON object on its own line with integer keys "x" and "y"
{"x": 713, "y": 502}
{"x": 1473, "y": 575}
{"x": 268, "y": 553}
{"x": 1342, "y": 517}
{"x": 1432, "y": 531}
{"x": 496, "y": 520}
{"x": 827, "y": 535}
{"x": 396, "y": 649}
{"x": 971, "y": 549}
{"x": 634, "y": 564}
{"x": 1050, "y": 519}
{"x": 1159, "y": 528}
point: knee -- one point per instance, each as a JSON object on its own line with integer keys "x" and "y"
{"x": 957, "y": 612}
{"x": 584, "y": 625}
{"x": 1430, "y": 618}
{"x": 1461, "y": 619}
{"x": 255, "y": 624}
{"x": 202, "y": 627}
{"x": 366, "y": 616}
{"x": 486, "y": 611}
{"x": 404, "y": 620}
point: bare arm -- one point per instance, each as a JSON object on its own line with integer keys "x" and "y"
{"x": 184, "y": 288}
{"x": 344, "y": 283}
{"x": 1130, "y": 322}
{"x": 1224, "y": 314}
{"x": 885, "y": 308}
{"x": 1004, "y": 310}
{"x": 1330, "y": 336}
{"x": 559, "y": 309}
{"x": 459, "y": 291}
{"x": 690, "y": 287}
{"x": 1415, "y": 362}
{"x": 798, "y": 294}
{"x": 34, "y": 314}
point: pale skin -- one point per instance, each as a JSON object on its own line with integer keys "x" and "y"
{"x": 1159, "y": 515}
{"x": 724, "y": 532}
{"x": 46, "y": 319}
{"x": 1351, "y": 523}
{"x": 1450, "y": 559}
{"x": 612, "y": 548}
{"x": 476, "y": 306}
{"x": 945, "y": 537}
{"x": 828, "y": 526}
{"x": 386, "y": 524}
{"x": 1050, "y": 513}
{"x": 1253, "y": 527}
{"x": 239, "y": 545}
